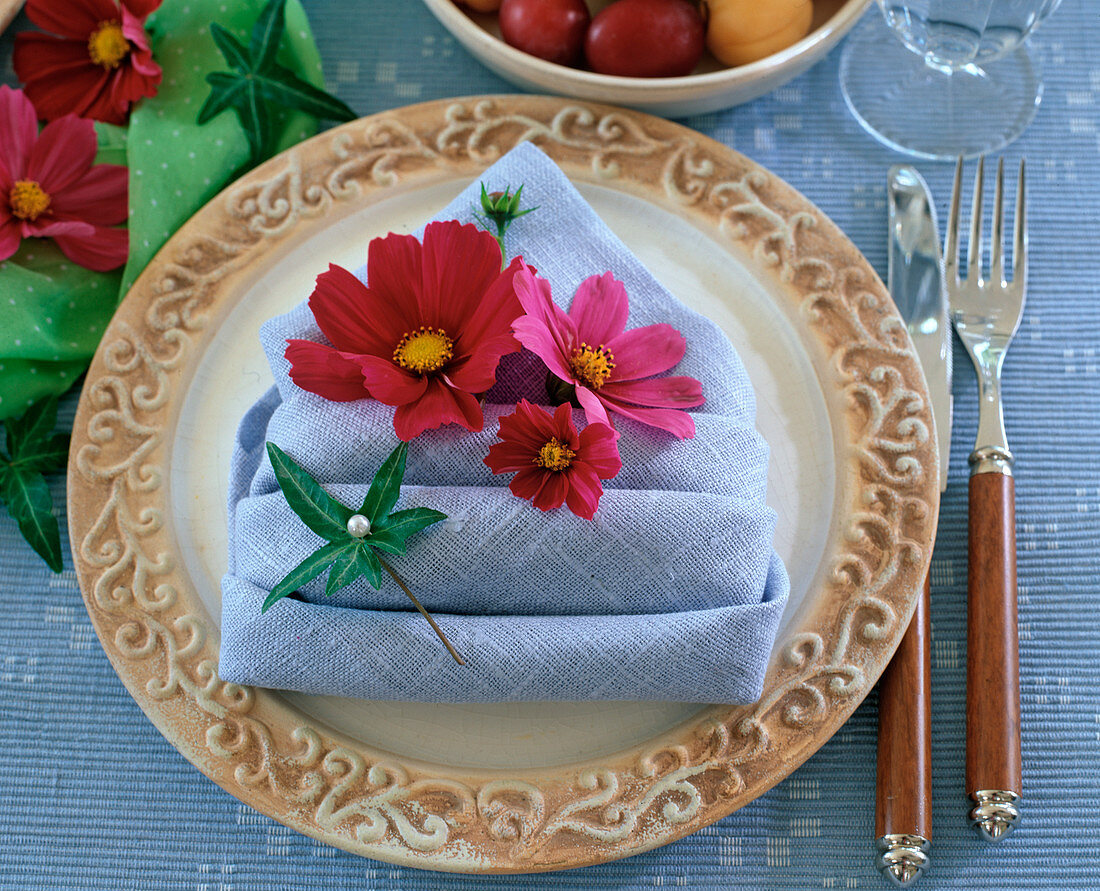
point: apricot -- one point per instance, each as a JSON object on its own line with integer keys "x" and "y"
{"x": 743, "y": 31}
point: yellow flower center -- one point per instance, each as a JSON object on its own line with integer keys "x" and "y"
{"x": 107, "y": 46}
{"x": 592, "y": 366}
{"x": 555, "y": 455}
{"x": 423, "y": 350}
{"x": 28, "y": 200}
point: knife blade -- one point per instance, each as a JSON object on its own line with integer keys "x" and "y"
{"x": 903, "y": 812}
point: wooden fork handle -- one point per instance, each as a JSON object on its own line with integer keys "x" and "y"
{"x": 993, "y": 771}
{"x": 903, "y": 783}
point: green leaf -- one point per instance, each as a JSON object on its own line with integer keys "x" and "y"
{"x": 267, "y": 34}
{"x": 227, "y": 91}
{"x": 513, "y": 205}
{"x": 28, "y": 500}
{"x": 256, "y": 121}
{"x": 386, "y": 486}
{"x": 304, "y": 572}
{"x": 52, "y": 455}
{"x": 399, "y": 526}
{"x": 25, "y": 433}
{"x": 293, "y": 92}
{"x": 345, "y": 570}
{"x": 318, "y": 510}
{"x": 369, "y": 567}
{"x": 235, "y": 54}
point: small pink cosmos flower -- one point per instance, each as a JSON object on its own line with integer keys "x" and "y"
{"x": 553, "y": 464}
{"x": 49, "y": 187}
{"x": 611, "y": 368}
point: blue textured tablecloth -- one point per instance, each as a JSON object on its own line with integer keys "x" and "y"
{"x": 69, "y": 731}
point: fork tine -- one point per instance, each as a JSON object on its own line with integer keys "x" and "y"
{"x": 951, "y": 237}
{"x": 1019, "y": 250}
{"x": 974, "y": 251}
{"x": 996, "y": 247}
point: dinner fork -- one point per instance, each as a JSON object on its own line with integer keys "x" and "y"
{"x": 986, "y": 313}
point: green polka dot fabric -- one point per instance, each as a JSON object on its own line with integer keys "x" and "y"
{"x": 53, "y": 312}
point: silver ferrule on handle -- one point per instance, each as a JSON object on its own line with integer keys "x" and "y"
{"x": 995, "y": 813}
{"x": 991, "y": 452}
{"x": 902, "y": 858}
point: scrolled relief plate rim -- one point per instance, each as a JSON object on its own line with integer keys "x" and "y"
{"x": 269, "y": 755}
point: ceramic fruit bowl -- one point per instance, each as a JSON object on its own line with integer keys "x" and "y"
{"x": 710, "y": 87}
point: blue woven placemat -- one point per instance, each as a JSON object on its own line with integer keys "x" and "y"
{"x": 74, "y": 814}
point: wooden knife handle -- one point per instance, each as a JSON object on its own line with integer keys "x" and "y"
{"x": 992, "y": 656}
{"x": 903, "y": 785}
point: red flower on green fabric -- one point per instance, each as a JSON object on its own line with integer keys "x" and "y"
{"x": 553, "y": 464}
{"x": 610, "y": 367}
{"x": 97, "y": 66}
{"x": 49, "y": 187}
{"x": 425, "y": 334}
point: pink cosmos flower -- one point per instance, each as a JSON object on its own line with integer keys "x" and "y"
{"x": 427, "y": 333}
{"x": 98, "y": 66}
{"x": 553, "y": 464}
{"x": 609, "y": 366}
{"x": 50, "y": 189}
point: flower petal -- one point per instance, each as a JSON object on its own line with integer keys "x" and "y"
{"x": 478, "y": 372}
{"x": 11, "y": 235}
{"x": 642, "y": 352}
{"x": 18, "y": 131}
{"x": 438, "y": 406}
{"x": 552, "y": 493}
{"x": 658, "y": 392}
{"x": 106, "y": 249}
{"x": 583, "y": 494}
{"x": 51, "y": 227}
{"x": 66, "y": 85}
{"x": 564, "y": 429}
{"x": 537, "y": 420}
{"x": 64, "y": 152}
{"x": 354, "y": 317}
{"x": 142, "y": 9}
{"x": 594, "y": 410}
{"x": 97, "y": 197}
{"x": 393, "y": 274}
{"x": 128, "y": 85}
{"x": 533, "y": 334}
{"x": 600, "y": 309}
{"x": 322, "y": 370}
{"x": 599, "y": 449}
{"x": 678, "y": 423}
{"x": 537, "y": 302}
{"x": 509, "y": 456}
{"x": 387, "y": 382}
{"x": 460, "y": 264}
{"x": 528, "y": 425}
{"x": 76, "y": 20}
{"x": 529, "y": 482}
{"x": 494, "y": 315}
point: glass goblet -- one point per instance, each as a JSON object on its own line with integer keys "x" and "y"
{"x": 943, "y": 78}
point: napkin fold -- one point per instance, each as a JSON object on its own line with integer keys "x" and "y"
{"x": 672, "y": 591}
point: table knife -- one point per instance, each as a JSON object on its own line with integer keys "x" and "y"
{"x": 903, "y": 812}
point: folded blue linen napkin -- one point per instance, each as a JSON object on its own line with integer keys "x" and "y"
{"x": 672, "y": 592}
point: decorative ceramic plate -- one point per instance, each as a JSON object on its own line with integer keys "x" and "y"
{"x": 519, "y": 786}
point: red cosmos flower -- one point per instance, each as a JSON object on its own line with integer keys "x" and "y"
{"x": 425, "y": 335}
{"x": 553, "y": 465}
{"x": 99, "y": 66}
{"x": 589, "y": 348}
{"x": 49, "y": 188}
